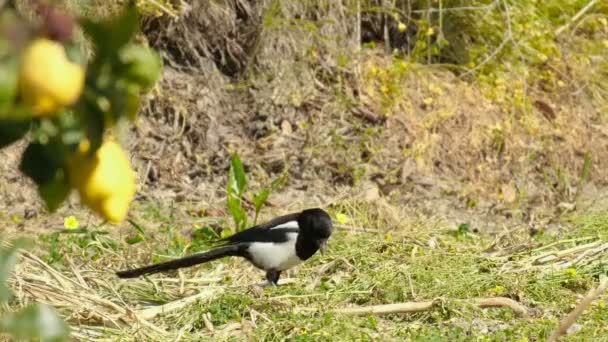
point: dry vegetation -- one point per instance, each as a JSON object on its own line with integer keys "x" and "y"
{"x": 502, "y": 128}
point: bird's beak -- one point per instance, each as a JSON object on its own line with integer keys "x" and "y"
{"x": 323, "y": 246}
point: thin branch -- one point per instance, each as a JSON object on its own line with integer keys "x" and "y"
{"x": 495, "y": 302}
{"x": 409, "y": 307}
{"x": 576, "y": 17}
{"x": 458, "y": 9}
{"x": 569, "y": 320}
{"x": 413, "y": 307}
{"x": 489, "y": 58}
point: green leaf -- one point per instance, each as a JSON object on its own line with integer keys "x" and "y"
{"x": 38, "y": 163}
{"x": 138, "y": 227}
{"x": 141, "y": 65}
{"x": 225, "y": 233}
{"x": 92, "y": 118}
{"x": 464, "y": 229}
{"x": 8, "y": 260}
{"x": 37, "y": 321}
{"x": 12, "y": 130}
{"x": 259, "y": 200}
{"x": 8, "y": 81}
{"x": 588, "y": 162}
{"x": 55, "y": 192}
{"x": 139, "y": 237}
{"x": 237, "y": 175}
{"x": 134, "y": 240}
{"x": 44, "y": 165}
{"x": 110, "y": 35}
{"x": 204, "y": 234}
{"x": 238, "y": 213}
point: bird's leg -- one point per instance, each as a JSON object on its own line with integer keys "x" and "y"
{"x": 273, "y": 277}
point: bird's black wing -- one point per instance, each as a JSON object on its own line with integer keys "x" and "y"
{"x": 267, "y": 232}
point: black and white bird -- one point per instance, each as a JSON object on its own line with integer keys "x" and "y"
{"x": 274, "y": 247}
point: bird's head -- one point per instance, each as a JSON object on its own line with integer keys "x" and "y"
{"x": 315, "y": 224}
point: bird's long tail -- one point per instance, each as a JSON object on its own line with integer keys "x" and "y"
{"x": 194, "y": 259}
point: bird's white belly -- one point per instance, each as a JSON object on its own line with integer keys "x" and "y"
{"x": 275, "y": 256}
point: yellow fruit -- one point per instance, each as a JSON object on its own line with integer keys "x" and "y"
{"x": 48, "y": 81}
{"x": 105, "y": 181}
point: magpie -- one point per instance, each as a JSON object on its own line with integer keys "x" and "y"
{"x": 274, "y": 247}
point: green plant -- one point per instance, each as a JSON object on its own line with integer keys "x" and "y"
{"x": 237, "y": 185}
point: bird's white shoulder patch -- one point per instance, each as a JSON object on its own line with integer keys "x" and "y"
{"x": 276, "y": 256}
{"x": 289, "y": 224}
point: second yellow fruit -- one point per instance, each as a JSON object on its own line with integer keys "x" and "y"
{"x": 105, "y": 181}
{"x": 48, "y": 80}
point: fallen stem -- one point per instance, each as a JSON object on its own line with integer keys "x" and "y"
{"x": 409, "y": 307}
{"x": 494, "y": 302}
{"x": 413, "y": 307}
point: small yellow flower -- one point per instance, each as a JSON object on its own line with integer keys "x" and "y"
{"x": 498, "y": 290}
{"x": 71, "y": 222}
{"x": 570, "y": 272}
{"x": 342, "y": 219}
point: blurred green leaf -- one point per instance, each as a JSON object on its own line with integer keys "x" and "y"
{"x": 8, "y": 81}
{"x": 204, "y": 234}
{"x": 92, "y": 118}
{"x": 142, "y": 65}
{"x": 38, "y": 163}
{"x": 11, "y": 131}
{"x": 36, "y": 321}
{"x": 55, "y": 191}
{"x": 134, "y": 239}
{"x": 44, "y": 165}
{"x": 110, "y": 35}
{"x": 8, "y": 260}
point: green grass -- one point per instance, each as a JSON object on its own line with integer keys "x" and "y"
{"x": 421, "y": 260}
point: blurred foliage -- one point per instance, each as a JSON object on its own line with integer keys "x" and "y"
{"x": 35, "y": 321}
{"x": 117, "y": 74}
{"x": 57, "y": 100}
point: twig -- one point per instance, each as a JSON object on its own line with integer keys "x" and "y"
{"x": 387, "y": 41}
{"x": 357, "y": 229}
{"x": 207, "y": 321}
{"x": 494, "y": 302}
{"x": 576, "y": 17}
{"x": 409, "y": 307}
{"x": 569, "y": 320}
{"x": 413, "y": 307}
{"x": 457, "y": 9}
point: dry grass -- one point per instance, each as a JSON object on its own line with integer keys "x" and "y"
{"x": 421, "y": 279}
{"x": 407, "y": 151}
